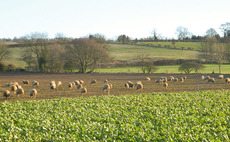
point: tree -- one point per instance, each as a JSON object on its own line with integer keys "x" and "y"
{"x": 211, "y": 32}
{"x": 182, "y": 33}
{"x": 188, "y": 67}
{"x": 207, "y": 48}
{"x": 148, "y": 67}
{"x": 220, "y": 52}
{"x": 3, "y": 51}
{"x": 123, "y": 39}
{"x": 86, "y": 54}
{"x": 225, "y": 28}
{"x": 155, "y": 35}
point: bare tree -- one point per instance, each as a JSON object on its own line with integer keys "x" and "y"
{"x": 182, "y": 33}
{"x": 207, "y": 48}
{"x": 220, "y": 52}
{"x": 3, "y": 50}
{"x": 86, "y": 54}
{"x": 225, "y": 28}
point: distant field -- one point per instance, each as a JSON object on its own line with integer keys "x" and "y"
{"x": 132, "y": 52}
{"x": 209, "y": 68}
{"x": 193, "y": 45}
{"x": 15, "y": 57}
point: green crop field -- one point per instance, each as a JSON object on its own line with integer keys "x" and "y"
{"x": 185, "y": 116}
{"x": 209, "y": 68}
{"x": 133, "y": 52}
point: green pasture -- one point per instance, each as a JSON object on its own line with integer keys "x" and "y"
{"x": 15, "y": 57}
{"x": 192, "y": 45}
{"x": 184, "y": 116}
{"x": 133, "y": 52}
{"x": 209, "y": 68}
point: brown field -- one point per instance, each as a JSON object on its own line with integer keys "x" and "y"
{"x": 117, "y": 81}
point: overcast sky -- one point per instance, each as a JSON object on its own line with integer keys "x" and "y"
{"x": 135, "y": 18}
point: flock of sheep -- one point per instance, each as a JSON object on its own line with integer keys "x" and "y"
{"x": 79, "y": 84}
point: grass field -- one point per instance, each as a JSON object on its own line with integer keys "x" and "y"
{"x": 185, "y": 116}
{"x": 132, "y": 52}
{"x": 192, "y": 45}
{"x": 209, "y": 68}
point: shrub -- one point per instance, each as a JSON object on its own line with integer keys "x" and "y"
{"x": 188, "y": 67}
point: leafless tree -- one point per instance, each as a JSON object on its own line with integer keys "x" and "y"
{"x": 182, "y": 33}
{"x": 3, "y": 50}
{"x": 220, "y": 52}
{"x": 211, "y": 32}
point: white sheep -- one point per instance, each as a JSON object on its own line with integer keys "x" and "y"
{"x": 70, "y": 85}
{"x": 53, "y": 86}
{"x": 181, "y": 79}
{"x": 14, "y": 88}
{"x": 33, "y": 92}
{"x": 79, "y": 86}
{"x": 81, "y": 82}
{"x": 59, "y": 84}
{"x": 6, "y": 93}
{"x": 175, "y": 79}
{"x": 52, "y": 82}
{"x": 207, "y": 77}
{"x": 165, "y": 85}
{"x": 227, "y": 80}
{"x": 147, "y": 79}
{"x": 83, "y": 91}
{"x": 126, "y": 85}
{"x": 131, "y": 84}
{"x": 20, "y": 91}
{"x": 77, "y": 82}
{"x": 202, "y": 77}
{"x": 221, "y": 76}
{"x": 139, "y": 85}
{"x": 212, "y": 80}
{"x": 107, "y": 87}
{"x": 94, "y": 81}
{"x": 35, "y": 83}
{"x": 105, "y": 81}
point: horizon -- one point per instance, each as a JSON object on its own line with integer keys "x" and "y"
{"x": 136, "y": 19}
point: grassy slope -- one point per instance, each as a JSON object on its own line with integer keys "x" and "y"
{"x": 185, "y": 116}
{"x": 15, "y": 57}
{"x": 131, "y": 52}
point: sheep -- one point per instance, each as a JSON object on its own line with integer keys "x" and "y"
{"x": 81, "y": 82}
{"x": 185, "y": 77}
{"x": 105, "y": 81}
{"x": 52, "y": 82}
{"x": 35, "y": 83}
{"x": 20, "y": 91}
{"x": 126, "y": 85}
{"x": 73, "y": 84}
{"x": 15, "y": 83}
{"x": 77, "y": 82}
{"x": 83, "y": 91}
{"x": 59, "y": 84}
{"x": 6, "y": 93}
{"x": 165, "y": 85}
{"x": 202, "y": 77}
{"x": 164, "y": 79}
{"x": 33, "y": 92}
{"x": 53, "y": 86}
{"x": 139, "y": 85}
{"x": 131, "y": 84}
{"x": 70, "y": 85}
{"x": 175, "y": 79}
{"x": 147, "y": 79}
{"x": 26, "y": 82}
{"x": 107, "y": 87}
{"x": 207, "y": 77}
{"x": 181, "y": 79}
{"x": 8, "y": 84}
{"x": 158, "y": 81}
{"x": 221, "y": 76}
{"x": 94, "y": 81}
{"x": 170, "y": 79}
{"x": 79, "y": 86}
{"x": 227, "y": 80}
{"x": 14, "y": 88}
{"x": 211, "y": 80}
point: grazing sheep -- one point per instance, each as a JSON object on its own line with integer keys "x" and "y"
{"x": 202, "y": 77}
{"x": 221, "y": 76}
{"x": 70, "y": 85}
{"x": 126, "y": 85}
{"x": 35, "y": 83}
{"x": 111, "y": 86}
{"x": 207, "y": 77}
{"x": 164, "y": 79}
{"x": 6, "y": 93}
{"x": 105, "y": 81}
{"x": 158, "y": 81}
{"x": 26, "y": 82}
{"x": 59, "y": 84}
{"x": 73, "y": 84}
{"x": 175, "y": 79}
{"x": 181, "y": 79}
{"x": 165, "y": 85}
{"x": 79, "y": 86}
{"x": 15, "y": 83}
{"x": 94, "y": 81}
{"x": 77, "y": 82}
{"x": 147, "y": 79}
{"x": 227, "y": 80}
{"x": 33, "y": 92}
{"x": 53, "y": 86}
{"x": 8, "y": 84}
{"x": 83, "y": 91}
{"x": 14, "y": 88}
{"x": 81, "y": 82}
{"x": 185, "y": 77}
{"x": 52, "y": 82}
{"x": 20, "y": 91}
{"x": 131, "y": 84}
{"x": 170, "y": 79}
{"x": 106, "y": 87}
{"x": 139, "y": 85}
{"x": 211, "y": 80}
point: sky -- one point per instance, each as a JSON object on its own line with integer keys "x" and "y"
{"x": 111, "y": 18}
